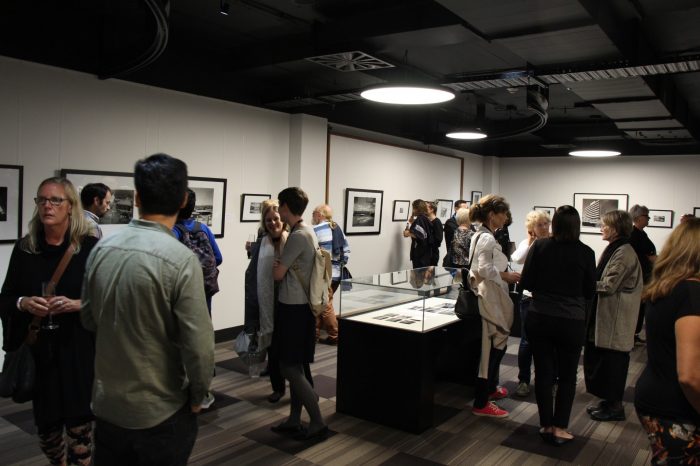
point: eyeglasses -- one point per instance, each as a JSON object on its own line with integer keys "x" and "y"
{"x": 55, "y": 201}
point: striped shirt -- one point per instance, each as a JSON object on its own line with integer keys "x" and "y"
{"x": 324, "y": 234}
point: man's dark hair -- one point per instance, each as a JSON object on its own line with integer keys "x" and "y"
{"x": 459, "y": 202}
{"x": 295, "y": 199}
{"x": 161, "y": 182}
{"x": 566, "y": 224}
{"x": 91, "y": 191}
{"x": 186, "y": 212}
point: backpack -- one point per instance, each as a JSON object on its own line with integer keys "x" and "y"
{"x": 198, "y": 241}
{"x": 320, "y": 282}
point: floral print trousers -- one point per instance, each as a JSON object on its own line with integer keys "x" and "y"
{"x": 672, "y": 442}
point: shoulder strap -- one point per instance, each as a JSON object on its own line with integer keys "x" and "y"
{"x": 471, "y": 256}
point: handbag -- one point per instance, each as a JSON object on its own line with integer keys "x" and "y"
{"x": 18, "y": 376}
{"x": 467, "y": 305}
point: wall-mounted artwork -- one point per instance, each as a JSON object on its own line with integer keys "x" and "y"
{"x": 660, "y": 218}
{"x": 444, "y": 209}
{"x": 399, "y": 277}
{"x": 401, "y": 211}
{"x": 11, "y": 179}
{"x": 696, "y": 211}
{"x": 251, "y": 206}
{"x": 548, "y": 210}
{"x": 363, "y": 211}
{"x": 476, "y": 196}
{"x": 210, "y": 204}
{"x": 592, "y": 206}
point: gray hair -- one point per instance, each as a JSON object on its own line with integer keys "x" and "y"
{"x": 620, "y": 221}
{"x": 462, "y": 216}
{"x": 638, "y": 210}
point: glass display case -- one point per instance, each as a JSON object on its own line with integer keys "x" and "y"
{"x": 418, "y": 300}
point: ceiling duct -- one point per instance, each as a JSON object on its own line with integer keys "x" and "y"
{"x": 350, "y": 61}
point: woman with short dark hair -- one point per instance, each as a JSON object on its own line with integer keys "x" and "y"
{"x": 420, "y": 230}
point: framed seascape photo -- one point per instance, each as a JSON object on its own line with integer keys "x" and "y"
{"x": 210, "y": 204}
{"x": 660, "y": 218}
{"x": 443, "y": 209}
{"x": 592, "y": 206}
{"x": 363, "y": 211}
{"x": 476, "y": 196}
{"x": 251, "y": 206}
{"x": 548, "y": 210}
{"x": 401, "y": 210}
{"x": 121, "y": 184}
{"x": 11, "y": 179}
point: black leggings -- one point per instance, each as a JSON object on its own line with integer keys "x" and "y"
{"x": 484, "y": 387}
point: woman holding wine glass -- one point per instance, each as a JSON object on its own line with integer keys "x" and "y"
{"x": 36, "y": 291}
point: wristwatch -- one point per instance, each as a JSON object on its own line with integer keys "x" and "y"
{"x": 19, "y": 302}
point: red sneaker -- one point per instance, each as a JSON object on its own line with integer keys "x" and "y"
{"x": 490, "y": 410}
{"x": 501, "y": 392}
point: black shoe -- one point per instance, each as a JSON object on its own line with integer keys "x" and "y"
{"x": 559, "y": 441}
{"x": 546, "y": 436}
{"x": 305, "y": 435}
{"x": 275, "y": 397}
{"x": 286, "y": 429}
{"x": 603, "y": 415}
{"x": 328, "y": 341}
{"x": 601, "y": 405}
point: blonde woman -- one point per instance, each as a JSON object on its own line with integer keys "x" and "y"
{"x": 667, "y": 397}
{"x": 64, "y": 352}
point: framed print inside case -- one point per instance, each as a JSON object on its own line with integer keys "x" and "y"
{"x": 548, "y": 210}
{"x": 210, "y": 204}
{"x": 251, "y": 206}
{"x": 11, "y": 179}
{"x": 363, "y": 211}
{"x": 443, "y": 209}
{"x": 592, "y": 206}
{"x": 660, "y": 218}
{"x": 401, "y": 211}
{"x": 476, "y": 196}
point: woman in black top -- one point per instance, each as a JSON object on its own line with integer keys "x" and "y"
{"x": 667, "y": 397}
{"x": 64, "y": 355}
{"x": 420, "y": 230}
{"x": 560, "y": 273}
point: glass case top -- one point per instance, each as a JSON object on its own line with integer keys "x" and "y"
{"x": 423, "y": 280}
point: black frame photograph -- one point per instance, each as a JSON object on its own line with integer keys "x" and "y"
{"x": 476, "y": 196}
{"x": 251, "y": 206}
{"x": 548, "y": 210}
{"x": 592, "y": 206}
{"x": 402, "y": 208}
{"x": 363, "y": 211}
{"x": 443, "y": 209}
{"x": 398, "y": 277}
{"x": 11, "y": 183}
{"x": 210, "y": 206}
{"x": 659, "y": 218}
{"x": 696, "y": 211}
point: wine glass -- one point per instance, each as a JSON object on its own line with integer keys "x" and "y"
{"x": 48, "y": 290}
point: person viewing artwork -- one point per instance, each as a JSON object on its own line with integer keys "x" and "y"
{"x": 461, "y": 239}
{"x": 436, "y": 233}
{"x": 667, "y": 395}
{"x": 489, "y": 277}
{"x": 96, "y": 199}
{"x": 613, "y": 318}
{"x": 646, "y": 254}
{"x": 64, "y": 351}
{"x": 449, "y": 229}
{"x": 419, "y": 229}
{"x": 559, "y": 274}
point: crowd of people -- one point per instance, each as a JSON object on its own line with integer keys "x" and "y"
{"x": 125, "y": 353}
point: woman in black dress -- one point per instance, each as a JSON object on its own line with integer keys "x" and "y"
{"x": 64, "y": 354}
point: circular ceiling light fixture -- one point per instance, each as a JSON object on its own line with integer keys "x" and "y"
{"x": 594, "y": 153}
{"x": 467, "y": 135}
{"x": 407, "y": 95}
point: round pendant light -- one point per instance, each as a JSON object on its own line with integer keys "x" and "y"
{"x": 408, "y": 95}
{"x": 467, "y": 135}
{"x": 594, "y": 153}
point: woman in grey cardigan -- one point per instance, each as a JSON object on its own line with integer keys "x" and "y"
{"x": 613, "y": 319}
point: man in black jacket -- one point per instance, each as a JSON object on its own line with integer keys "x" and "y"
{"x": 449, "y": 229}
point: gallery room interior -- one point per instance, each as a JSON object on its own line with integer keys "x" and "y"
{"x": 259, "y": 95}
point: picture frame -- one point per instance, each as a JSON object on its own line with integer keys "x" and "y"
{"x": 476, "y": 197}
{"x": 210, "y": 204}
{"x": 443, "y": 209}
{"x": 123, "y": 207}
{"x": 659, "y": 218}
{"x": 402, "y": 209}
{"x": 398, "y": 277}
{"x": 548, "y": 210}
{"x": 11, "y": 193}
{"x": 592, "y": 206}
{"x": 251, "y": 206}
{"x": 363, "y": 211}
{"x": 696, "y": 211}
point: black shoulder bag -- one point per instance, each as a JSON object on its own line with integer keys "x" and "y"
{"x": 467, "y": 305}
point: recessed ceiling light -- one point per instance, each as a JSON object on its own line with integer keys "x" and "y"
{"x": 466, "y": 135}
{"x": 594, "y": 153}
{"x": 407, "y": 95}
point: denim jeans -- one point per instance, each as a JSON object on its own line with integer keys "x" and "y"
{"x": 524, "y": 351}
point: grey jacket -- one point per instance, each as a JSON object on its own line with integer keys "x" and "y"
{"x": 619, "y": 294}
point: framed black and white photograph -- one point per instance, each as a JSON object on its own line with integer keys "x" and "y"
{"x": 696, "y": 211}
{"x": 401, "y": 210}
{"x": 210, "y": 204}
{"x": 363, "y": 211}
{"x": 443, "y": 209}
{"x": 11, "y": 179}
{"x": 548, "y": 210}
{"x": 660, "y": 218}
{"x": 121, "y": 184}
{"x": 398, "y": 277}
{"x": 251, "y": 206}
{"x": 476, "y": 196}
{"x": 592, "y": 206}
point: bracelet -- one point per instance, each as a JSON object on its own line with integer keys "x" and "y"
{"x": 19, "y": 302}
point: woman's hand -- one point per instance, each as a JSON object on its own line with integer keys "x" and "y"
{"x": 35, "y": 305}
{"x": 61, "y": 305}
{"x": 510, "y": 277}
{"x": 531, "y": 237}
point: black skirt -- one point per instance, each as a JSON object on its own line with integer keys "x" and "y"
{"x": 295, "y": 333}
{"x": 605, "y": 372}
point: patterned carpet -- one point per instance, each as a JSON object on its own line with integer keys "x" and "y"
{"x": 236, "y": 429}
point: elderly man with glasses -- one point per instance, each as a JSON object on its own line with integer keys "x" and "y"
{"x": 646, "y": 253}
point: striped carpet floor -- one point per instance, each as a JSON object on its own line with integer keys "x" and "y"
{"x": 235, "y": 430}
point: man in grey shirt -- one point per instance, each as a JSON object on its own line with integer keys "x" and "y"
{"x": 143, "y": 296}
{"x": 97, "y": 201}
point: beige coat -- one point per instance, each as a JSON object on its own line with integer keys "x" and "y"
{"x": 619, "y": 294}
